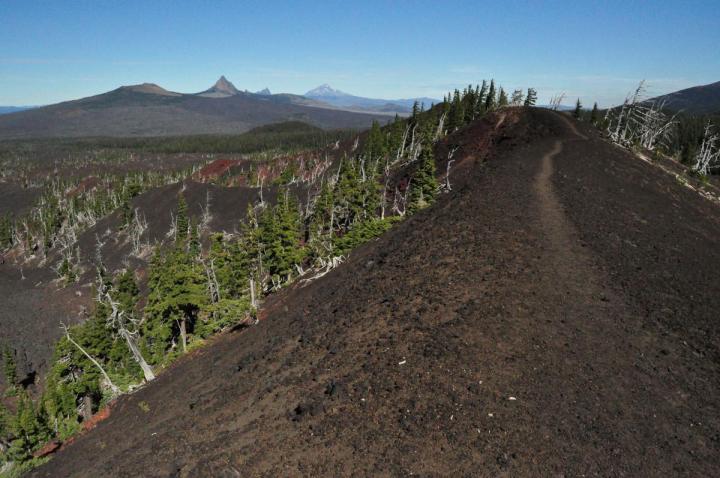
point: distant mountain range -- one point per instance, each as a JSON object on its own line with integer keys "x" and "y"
{"x": 703, "y": 99}
{"x": 150, "y": 110}
{"x": 14, "y": 109}
{"x": 340, "y": 99}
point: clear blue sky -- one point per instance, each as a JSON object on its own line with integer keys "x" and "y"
{"x": 58, "y": 50}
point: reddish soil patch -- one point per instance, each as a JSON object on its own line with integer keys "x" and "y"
{"x": 50, "y": 447}
{"x": 83, "y": 186}
{"x": 215, "y": 170}
{"x": 97, "y": 418}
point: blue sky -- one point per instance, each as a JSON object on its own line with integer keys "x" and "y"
{"x": 596, "y": 50}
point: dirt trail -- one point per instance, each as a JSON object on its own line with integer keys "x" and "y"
{"x": 572, "y": 266}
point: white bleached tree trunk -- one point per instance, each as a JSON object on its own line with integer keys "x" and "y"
{"x": 112, "y": 386}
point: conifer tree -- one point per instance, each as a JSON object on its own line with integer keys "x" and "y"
{"x": 251, "y": 243}
{"x": 5, "y": 422}
{"x": 502, "y": 98}
{"x": 375, "y": 146}
{"x": 457, "y": 115}
{"x": 415, "y": 112}
{"x": 578, "y": 109}
{"x": 348, "y": 194}
{"x": 126, "y": 291}
{"x": 67, "y": 271}
{"x": 126, "y": 212}
{"x": 424, "y": 185}
{"x": 594, "y": 114}
{"x": 531, "y": 97}
{"x": 320, "y": 229}
{"x": 227, "y": 269}
{"x": 490, "y": 100}
{"x": 28, "y": 430}
{"x": 239, "y": 267}
{"x": 10, "y": 368}
{"x": 173, "y": 304}
{"x": 481, "y": 99}
{"x": 194, "y": 240}
{"x": 476, "y": 101}
{"x": 468, "y": 105}
{"x": 182, "y": 221}
{"x": 73, "y": 371}
{"x": 281, "y": 235}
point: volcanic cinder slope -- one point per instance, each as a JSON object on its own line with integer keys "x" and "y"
{"x": 555, "y": 314}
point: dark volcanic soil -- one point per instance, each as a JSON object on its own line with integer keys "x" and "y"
{"x": 554, "y": 315}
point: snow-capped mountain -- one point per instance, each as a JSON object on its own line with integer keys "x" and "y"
{"x": 340, "y": 99}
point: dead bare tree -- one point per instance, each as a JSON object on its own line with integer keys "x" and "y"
{"x": 262, "y": 202}
{"x": 206, "y": 215}
{"x": 172, "y": 233}
{"x": 451, "y": 153}
{"x": 253, "y": 300}
{"x": 517, "y": 98}
{"x": 638, "y": 121}
{"x": 653, "y": 125}
{"x": 119, "y": 320}
{"x": 326, "y": 265}
{"x": 414, "y": 148}
{"x": 440, "y": 130}
{"x": 213, "y": 284}
{"x": 400, "y": 201}
{"x": 114, "y": 388}
{"x": 708, "y": 157}
{"x": 137, "y": 228}
{"x": 556, "y": 101}
{"x": 403, "y": 142}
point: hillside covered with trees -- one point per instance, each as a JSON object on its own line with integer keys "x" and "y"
{"x": 196, "y": 282}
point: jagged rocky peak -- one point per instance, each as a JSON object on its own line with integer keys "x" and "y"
{"x": 225, "y": 86}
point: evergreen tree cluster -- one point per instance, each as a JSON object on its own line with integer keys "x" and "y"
{"x": 464, "y": 106}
